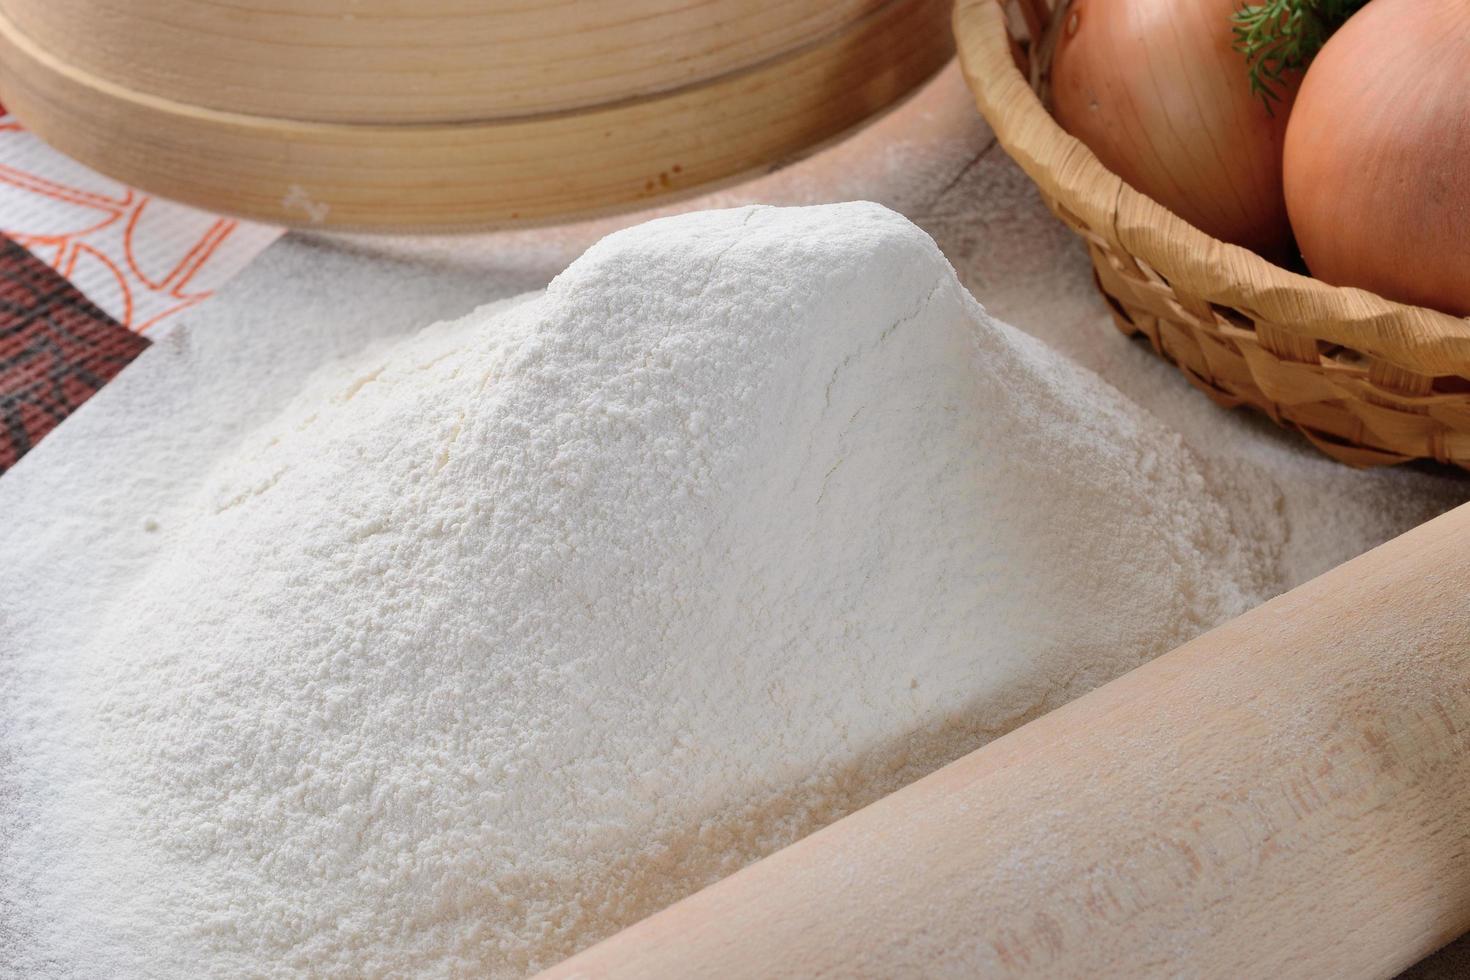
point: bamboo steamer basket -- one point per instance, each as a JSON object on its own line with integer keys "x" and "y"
{"x": 443, "y": 115}
{"x": 1367, "y": 380}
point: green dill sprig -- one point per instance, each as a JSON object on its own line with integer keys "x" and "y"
{"x": 1281, "y": 36}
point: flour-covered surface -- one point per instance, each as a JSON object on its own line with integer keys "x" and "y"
{"x": 87, "y": 513}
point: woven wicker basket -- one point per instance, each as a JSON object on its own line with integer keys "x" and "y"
{"x": 1369, "y": 381}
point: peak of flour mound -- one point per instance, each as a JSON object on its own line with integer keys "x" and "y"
{"x": 508, "y": 634}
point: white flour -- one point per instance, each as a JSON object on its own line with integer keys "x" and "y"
{"x": 511, "y": 633}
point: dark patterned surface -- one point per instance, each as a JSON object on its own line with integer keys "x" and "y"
{"x": 56, "y": 350}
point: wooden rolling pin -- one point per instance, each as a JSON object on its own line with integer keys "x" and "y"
{"x": 1287, "y": 796}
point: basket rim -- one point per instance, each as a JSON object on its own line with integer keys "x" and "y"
{"x": 1414, "y": 338}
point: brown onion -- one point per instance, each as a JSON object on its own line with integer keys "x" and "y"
{"x": 1378, "y": 154}
{"x": 1155, "y": 89}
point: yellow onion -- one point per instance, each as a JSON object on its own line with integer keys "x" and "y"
{"x": 1378, "y": 154}
{"x": 1156, "y": 90}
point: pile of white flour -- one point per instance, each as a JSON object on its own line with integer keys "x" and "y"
{"x": 508, "y": 634}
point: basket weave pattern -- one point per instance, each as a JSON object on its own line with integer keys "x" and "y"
{"x": 1368, "y": 381}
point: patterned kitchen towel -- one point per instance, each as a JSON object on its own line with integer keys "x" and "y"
{"x": 90, "y": 264}
{"x": 56, "y": 350}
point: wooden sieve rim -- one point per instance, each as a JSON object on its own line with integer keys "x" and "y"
{"x": 473, "y": 176}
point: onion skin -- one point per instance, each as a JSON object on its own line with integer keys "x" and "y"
{"x": 1378, "y": 155}
{"x": 1156, "y": 90}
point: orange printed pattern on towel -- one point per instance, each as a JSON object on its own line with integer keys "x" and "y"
{"x": 140, "y": 258}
